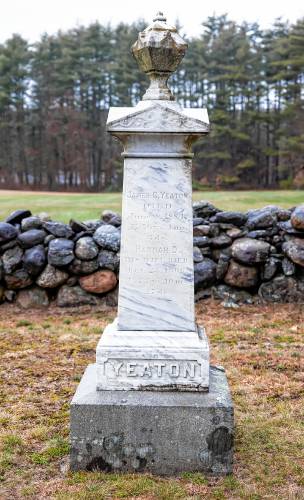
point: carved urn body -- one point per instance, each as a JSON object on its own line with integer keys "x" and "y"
{"x": 158, "y": 51}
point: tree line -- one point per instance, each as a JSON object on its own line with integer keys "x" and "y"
{"x": 54, "y": 97}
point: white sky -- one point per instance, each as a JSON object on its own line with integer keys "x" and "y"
{"x": 31, "y": 18}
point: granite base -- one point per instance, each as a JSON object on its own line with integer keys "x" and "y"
{"x": 165, "y": 433}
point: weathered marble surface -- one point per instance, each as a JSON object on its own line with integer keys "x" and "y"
{"x": 158, "y": 116}
{"x": 156, "y": 289}
{"x": 156, "y": 284}
{"x": 149, "y": 360}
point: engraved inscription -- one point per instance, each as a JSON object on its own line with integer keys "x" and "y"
{"x": 153, "y": 369}
{"x": 156, "y": 246}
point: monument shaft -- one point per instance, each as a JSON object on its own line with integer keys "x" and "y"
{"x": 156, "y": 279}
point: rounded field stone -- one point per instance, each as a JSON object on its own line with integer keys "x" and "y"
{"x": 294, "y": 249}
{"x": 93, "y": 224}
{"x": 236, "y": 218}
{"x": 204, "y": 209}
{"x": 60, "y": 252}
{"x": 7, "y": 232}
{"x": 297, "y": 218}
{"x": 80, "y": 267}
{"x": 217, "y": 253}
{"x": 221, "y": 241}
{"x": 111, "y": 298}
{"x": 201, "y": 230}
{"x": 288, "y": 228}
{"x": 59, "y": 229}
{"x": 77, "y": 227}
{"x": 99, "y": 282}
{"x": 258, "y": 233}
{"x": 31, "y": 238}
{"x": 222, "y": 266}
{"x": 86, "y": 248}
{"x": 261, "y": 218}
{"x": 11, "y": 259}
{"x": 241, "y": 276}
{"x": 18, "y": 279}
{"x": 250, "y": 251}
{"x": 197, "y": 221}
{"x": 34, "y": 260}
{"x": 197, "y": 255}
{"x": 33, "y": 222}
{"x": 204, "y": 273}
{"x": 8, "y": 245}
{"x": 82, "y": 234}
{"x": 51, "y": 277}
{"x": 107, "y": 237}
{"x": 270, "y": 268}
{"x": 112, "y": 218}
{"x": 72, "y": 281}
{"x": 284, "y": 214}
{"x": 74, "y": 296}
{"x": 225, "y": 292}
{"x": 201, "y": 241}
{"x": 48, "y": 238}
{"x": 32, "y": 298}
{"x": 108, "y": 260}
{"x": 288, "y": 267}
{"x": 17, "y": 216}
{"x": 235, "y": 232}
{"x": 282, "y": 289}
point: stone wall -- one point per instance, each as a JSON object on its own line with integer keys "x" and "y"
{"x": 238, "y": 257}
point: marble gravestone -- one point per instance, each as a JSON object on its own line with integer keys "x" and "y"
{"x": 151, "y": 401}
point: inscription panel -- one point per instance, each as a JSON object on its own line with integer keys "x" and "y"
{"x": 148, "y": 360}
{"x": 152, "y": 369}
{"x": 156, "y": 290}
{"x": 152, "y": 373}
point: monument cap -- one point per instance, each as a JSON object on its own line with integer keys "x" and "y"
{"x": 158, "y": 51}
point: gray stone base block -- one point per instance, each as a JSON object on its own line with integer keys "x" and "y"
{"x": 164, "y": 433}
{"x": 152, "y": 361}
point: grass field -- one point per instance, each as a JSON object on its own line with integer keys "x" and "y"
{"x": 43, "y": 356}
{"x": 63, "y": 206}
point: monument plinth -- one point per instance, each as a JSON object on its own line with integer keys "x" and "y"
{"x": 155, "y": 344}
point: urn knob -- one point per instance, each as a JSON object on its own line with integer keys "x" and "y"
{"x": 158, "y": 51}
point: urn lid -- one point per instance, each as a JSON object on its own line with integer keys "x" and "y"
{"x": 158, "y": 51}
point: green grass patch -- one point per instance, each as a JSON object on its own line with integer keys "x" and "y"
{"x": 11, "y": 443}
{"x": 195, "y": 477}
{"x": 56, "y": 448}
{"x": 23, "y": 322}
{"x": 83, "y": 206}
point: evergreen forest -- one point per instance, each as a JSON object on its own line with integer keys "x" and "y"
{"x": 55, "y": 93}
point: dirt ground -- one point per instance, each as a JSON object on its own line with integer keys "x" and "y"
{"x": 43, "y": 355}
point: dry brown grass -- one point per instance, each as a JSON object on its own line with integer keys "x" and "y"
{"x": 43, "y": 356}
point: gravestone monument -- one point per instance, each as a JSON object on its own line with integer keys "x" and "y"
{"x": 151, "y": 402}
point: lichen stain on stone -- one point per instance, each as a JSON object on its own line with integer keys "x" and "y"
{"x": 220, "y": 441}
{"x": 113, "y": 443}
{"x": 218, "y": 454}
{"x": 99, "y": 464}
{"x": 116, "y": 454}
{"x": 89, "y": 447}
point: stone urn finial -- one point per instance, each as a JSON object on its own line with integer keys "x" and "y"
{"x": 158, "y": 51}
